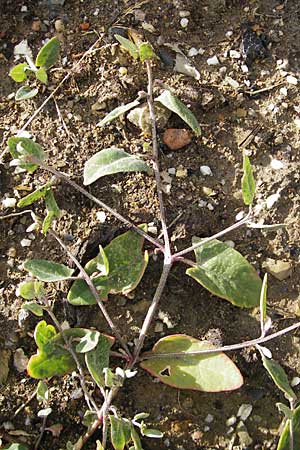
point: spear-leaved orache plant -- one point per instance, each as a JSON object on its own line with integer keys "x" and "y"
{"x": 179, "y": 360}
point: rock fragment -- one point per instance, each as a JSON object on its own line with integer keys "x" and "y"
{"x": 177, "y": 138}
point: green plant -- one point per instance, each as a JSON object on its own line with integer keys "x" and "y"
{"x": 46, "y": 58}
{"x": 177, "y": 360}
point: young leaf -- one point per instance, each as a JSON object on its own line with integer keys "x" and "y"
{"x": 284, "y": 441}
{"x": 136, "y": 440}
{"x": 128, "y": 45}
{"x": 25, "y": 93}
{"x": 226, "y": 273}
{"x": 149, "y": 432}
{"x": 263, "y": 303}
{"x": 44, "y": 412}
{"x": 117, "y": 436}
{"x": 208, "y": 373}
{"x": 279, "y": 376}
{"x": 248, "y": 182}
{"x": 98, "y": 359}
{"x": 117, "y": 112}
{"x": 43, "y": 333}
{"x": 127, "y": 264}
{"x": 41, "y": 75}
{"x": 30, "y": 289}
{"x": 88, "y": 342}
{"x": 146, "y": 51}
{"x": 42, "y": 393}
{"x": 47, "y": 270}
{"x": 23, "y": 148}
{"x": 111, "y": 160}
{"x": 17, "y": 447}
{"x": 18, "y": 72}
{"x": 34, "y": 308}
{"x": 140, "y": 416}
{"x": 175, "y": 105}
{"x": 52, "y": 210}
{"x": 102, "y": 262}
{"x": 288, "y": 413}
{"x": 48, "y": 54}
{"x": 34, "y": 196}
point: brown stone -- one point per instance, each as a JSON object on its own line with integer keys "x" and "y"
{"x": 176, "y": 138}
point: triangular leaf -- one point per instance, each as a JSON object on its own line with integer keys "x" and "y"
{"x": 128, "y": 45}
{"x": 248, "y": 182}
{"x": 23, "y": 148}
{"x": 98, "y": 359}
{"x": 284, "y": 441}
{"x": 41, "y": 75}
{"x": 109, "y": 161}
{"x": 226, "y": 273}
{"x": 117, "y": 112}
{"x": 34, "y": 196}
{"x": 279, "y": 376}
{"x": 48, "y": 270}
{"x": 174, "y": 104}
{"x": 18, "y": 72}
{"x": 48, "y": 54}
{"x": 25, "y": 93}
{"x": 127, "y": 264}
{"x": 208, "y": 373}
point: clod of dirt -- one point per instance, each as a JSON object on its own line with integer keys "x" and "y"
{"x": 176, "y": 138}
{"x": 20, "y": 360}
{"x": 253, "y": 44}
{"x": 279, "y": 269}
{"x": 140, "y": 117}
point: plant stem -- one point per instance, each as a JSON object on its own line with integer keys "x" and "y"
{"x": 151, "y": 311}
{"x": 83, "y": 191}
{"x": 93, "y": 290}
{"x": 155, "y": 160}
{"x": 37, "y": 444}
{"x": 236, "y": 225}
{"x": 226, "y": 348}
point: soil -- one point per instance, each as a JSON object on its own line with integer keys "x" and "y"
{"x": 196, "y": 205}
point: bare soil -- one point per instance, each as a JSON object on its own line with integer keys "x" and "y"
{"x": 227, "y": 116}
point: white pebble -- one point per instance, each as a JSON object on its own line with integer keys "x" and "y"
{"x": 202, "y": 203}
{"x": 209, "y": 418}
{"x": 230, "y": 421}
{"x": 184, "y": 13}
{"x": 295, "y": 381}
{"x": 276, "y": 164}
{"x": 192, "y": 52}
{"x": 25, "y": 242}
{"x": 283, "y": 91}
{"x": 272, "y": 199}
{"x": 210, "y": 206}
{"x": 234, "y": 54}
{"x": 231, "y": 82}
{"x": 24, "y": 8}
{"x": 292, "y": 80}
{"x": 244, "y": 68}
{"x": 206, "y": 171}
{"x": 230, "y": 244}
{"x": 244, "y": 411}
{"x": 229, "y": 33}
{"x": 96, "y": 12}
{"x": 101, "y": 216}
{"x": 201, "y": 51}
{"x": 213, "y": 61}
{"x": 172, "y": 171}
{"x": 9, "y": 202}
{"x": 297, "y": 123}
{"x": 239, "y": 216}
{"x": 206, "y": 428}
{"x": 184, "y": 22}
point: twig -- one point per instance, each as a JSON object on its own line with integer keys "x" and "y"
{"x": 265, "y": 89}
{"x": 226, "y": 348}
{"x": 93, "y": 290}
{"x": 8, "y": 216}
{"x": 215, "y": 236}
{"x": 37, "y": 444}
{"x": 91, "y": 197}
{"x": 64, "y": 123}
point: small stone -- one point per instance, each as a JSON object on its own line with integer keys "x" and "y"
{"x": 276, "y": 164}
{"x": 184, "y": 22}
{"x": 213, "y": 61}
{"x": 184, "y": 13}
{"x": 148, "y": 27}
{"x": 244, "y": 437}
{"x": 181, "y": 172}
{"x": 297, "y": 123}
{"x": 278, "y": 268}
{"x": 229, "y": 34}
{"x": 98, "y": 106}
{"x": 159, "y": 328}
{"x": 272, "y": 199}
{"x": 101, "y": 216}
{"x": 244, "y": 68}
{"x": 123, "y": 71}
{"x": 206, "y": 171}
{"x": 11, "y": 252}
{"x": 176, "y": 138}
{"x": 278, "y": 140}
{"x": 230, "y": 421}
{"x": 20, "y": 360}
{"x": 239, "y": 216}
{"x": 172, "y": 171}
{"x": 140, "y": 117}
{"x": 231, "y": 82}
{"x": 209, "y": 418}
{"x": 292, "y": 80}
{"x": 25, "y": 242}
{"x": 210, "y": 207}
{"x": 234, "y": 54}
{"x": 295, "y": 381}
{"x": 36, "y": 25}
{"x": 230, "y": 243}
{"x": 139, "y": 15}
{"x": 283, "y": 91}
{"x": 9, "y": 202}
{"x": 84, "y": 26}
{"x": 59, "y": 25}
{"x": 201, "y": 51}
{"x": 197, "y": 436}
{"x": 244, "y": 411}
{"x": 193, "y": 52}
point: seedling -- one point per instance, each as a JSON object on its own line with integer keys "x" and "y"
{"x": 46, "y": 58}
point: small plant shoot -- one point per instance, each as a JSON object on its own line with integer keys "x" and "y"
{"x": 248, "y": 182}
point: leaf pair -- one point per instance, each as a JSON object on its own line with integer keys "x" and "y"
{"x": 141, "y": 50}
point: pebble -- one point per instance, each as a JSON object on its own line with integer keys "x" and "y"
{"x": 101, "y": 216}
{"x": 206, "y": 171}
{"x": 176, "y": 138}
{"x": 172, "y": 171}
{"x": 59, "y": 25}
{"x": 9, "y": 202}
{"x": 239, "y": 216}
{"x": 159, "y": 328}
{"x": 84, "y": 26}
{"x": 230, "y": 421}
{"x": 25, "y": 242}
{"x": 276, "y": 164}
{"x": 234, "y": 54}
{"x": 184, "y": 22}
{"x": 231, "y": 82}
{"x": 272, "y": 199}
{"x": 283, "y": 91}
{"x": 193, "y": 52}
{"x": 292, "y": 80}
{"x": 213, "y": 61}
{"x": 20, "y": 360}
{"x": 244, "y": 411}
{"x": 295, "y": 381}
{"x": 209, "y": 418}
{"x": 244, "y": 68}
{"x": 297, "y": 123}
{"x": 244, "y": 437}
{"x": 278, "y": 268}
{"x": 184, "y": 13}
{"x": 123, "y": 71}
{"x": 181, "y": 172}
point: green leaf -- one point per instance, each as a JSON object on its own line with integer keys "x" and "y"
{"x": 34, "y": 196}
{"x": 88, "y": 342}
{"x": 128, "y": 45}
{"x": 17, "y": 447}
{"x": 47, "y": 270}
{"x": 102, "y": 262}
{"x": 151, "y": 433}
{"x": 127, "y": 264}
{"x": 44, "y": 412}
{"x": 52, "y": 210}
{"x": 126, "y": 430}
{"x": 30, "y": 289}
{"x": 175, "y": 105}
{"x": 284, "y": 441}
{"x": 117, "y": 112}
{"x": 98, "y": 359}
{"x": 146, "y": 52}
{"x": 117, "y": 436}
{"x": 48, "y": 54}
{"x": 208, "y": 373}
{"x": 89, "y": 418}
{"x": 226, "y": 273}
{"x": 34, "y": 308}
{"x": 136, "y": 439}
{"x": 42, "y": 393}
{"x": 52, "y": 357}
{"x": 23, "y": 148}
{"x": 18, "y": 72}
{"x": 99, "y": 446}
{"x": 41, "y": 75}
{"x": 25, "y": 93}
{"x": 248, "y": 182}
{"x": 111, "y": 160}
{"x": 263, "y": 302}
{"x": 279, "y": 376}
{"x": 140, "y": 416}
{"x": 288, "y": 413}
